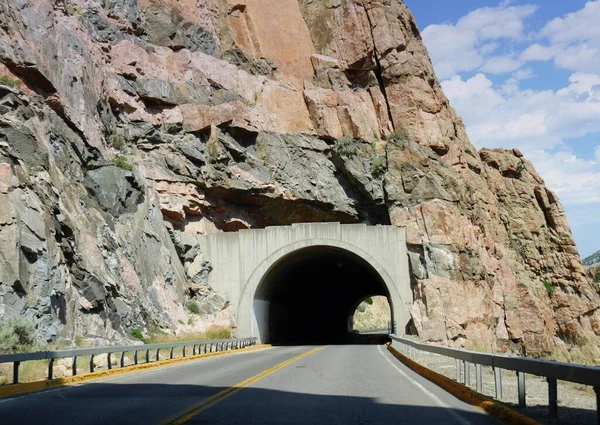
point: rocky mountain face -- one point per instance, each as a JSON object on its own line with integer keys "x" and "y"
{"x": 592, "y": 260}
{"x": 129, "y": 127}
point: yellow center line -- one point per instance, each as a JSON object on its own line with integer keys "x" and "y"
{"x": 207, "y": 403}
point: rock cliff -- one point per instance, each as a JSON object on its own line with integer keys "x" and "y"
{"x": 128, "y": 127}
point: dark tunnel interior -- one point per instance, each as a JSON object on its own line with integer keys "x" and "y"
{"x": 311, "y": 294}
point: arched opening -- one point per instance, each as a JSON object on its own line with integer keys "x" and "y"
{"x": 309, "y": 295}
{"x": 372, "y": 315}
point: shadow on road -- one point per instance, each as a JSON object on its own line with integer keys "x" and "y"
{"x": 106, "y": 403}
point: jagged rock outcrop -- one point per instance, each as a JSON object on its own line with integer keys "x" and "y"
{"x": 141, "y": 123}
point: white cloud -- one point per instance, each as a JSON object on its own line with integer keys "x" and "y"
{"x": 500, "y": 65}
{"x": 576, "y": 180}
{"x": 573, "y": 41}
{"x": 581, "y": 25}
{"x": 537, "y": 52}
{"x": 510, "y": 116}
{"x": 470, "y": 44}
{"x": 597, "y": 153}
{"x": 582, "y": 84}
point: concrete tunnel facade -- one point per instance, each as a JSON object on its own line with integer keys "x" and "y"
{"x": 302, "y": 283}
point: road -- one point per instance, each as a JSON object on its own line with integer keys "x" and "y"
{"x": 338, "y": 384}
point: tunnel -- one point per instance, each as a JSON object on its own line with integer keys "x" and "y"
{"x": 309, "y": 296}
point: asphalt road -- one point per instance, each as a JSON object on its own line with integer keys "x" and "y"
{"x": 341, "y": 384}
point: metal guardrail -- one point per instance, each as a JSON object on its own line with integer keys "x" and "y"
{"x": 203, "y": 346}
{"x": 551, "y": 370}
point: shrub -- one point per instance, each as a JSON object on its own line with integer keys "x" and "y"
{"x": 137, "y": 334}
{"x": 597, "y": 275}
{"x": 16, "y": 335}
{"x": 549, "y": 288}
{"x": 378, "y": 166}
{"x": 346, "y": 146}
{"x": 117, "y": 141}
{"x": 193, "y": 308}
{"x": 399, "y": 138}
{"x": 7, "y": 81}
{"x": 121, "y": 162}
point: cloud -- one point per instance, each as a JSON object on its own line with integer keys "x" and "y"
{"x": 472, "y": 43}
{"x": 581, "y": 25}
{"x": 573, "y": 41}
{"x": 537, "y": 52}
{"x": 597, "y": 153}
{"x": 510, "y": 116}
{"x": 500, "y": 65}
{"x": 576, "y": 180}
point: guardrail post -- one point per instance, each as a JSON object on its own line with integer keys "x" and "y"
{"x": 467, "y": 373}
{"x": 552, "y": 397}
{"x": 478, "y": 378}
{"x": 50, "y": 369}
{"x": 194, "y": 350}
{"x": 184, "y": 351}
{"x": 458, "y": 370}
{"x": 122, "y": 363}
{"x": 91, "y": 363}
{"x": 171, "y": 353}
{"x": 498, "y": 382}
{"x": 74, "y": 366}
{"x": 135, "y": 357}
{"x": 597, "y": 390}
{"x": 108, "y": 361}
{"x": 16, "y": 372}
{"x": 157, "y": 354}
{"x": 521, "y": 388}
{"x": 147, "y": 356}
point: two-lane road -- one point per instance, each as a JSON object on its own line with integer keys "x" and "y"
{"x": 342, "y": 384}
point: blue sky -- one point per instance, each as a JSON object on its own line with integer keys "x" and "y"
{"x": 526, "y": 74}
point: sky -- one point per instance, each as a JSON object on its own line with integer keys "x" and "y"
{"x": 526, "y": 74}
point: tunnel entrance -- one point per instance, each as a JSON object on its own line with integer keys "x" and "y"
{"x": 310, "y": 295}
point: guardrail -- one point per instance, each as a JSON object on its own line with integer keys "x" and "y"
{"x": 552, "y": 371}
{"x": 203, "y": 346}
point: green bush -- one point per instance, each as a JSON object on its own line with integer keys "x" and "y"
{"x": 346, "y": 146}
{"x": 549, "y": 288}
{"x": 121, "y": 162}
{"x": 399, "y": 138}
{"x": 597, "y": 275}
{"x": 193, "y": 308}
{"x": 137, "y": 334}
{"x": 378, "y": 166}
{"x": 16, "y": 335}
{"x": 117, "y": 141}
{"x": 7, "y": 81}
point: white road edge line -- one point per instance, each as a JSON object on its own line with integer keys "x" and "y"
{"x": 431, "y": 395}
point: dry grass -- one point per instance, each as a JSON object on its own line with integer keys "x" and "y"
{"x": 585, "y": 354}
{"x": 213, "y": 332}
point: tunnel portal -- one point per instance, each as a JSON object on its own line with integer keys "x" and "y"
{"x": 310, "y": 295}
{"x": 302, "y": 282}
